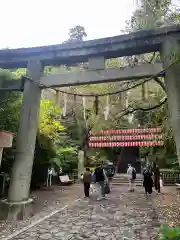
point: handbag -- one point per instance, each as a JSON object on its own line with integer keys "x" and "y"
{"x": 106, "y": 188}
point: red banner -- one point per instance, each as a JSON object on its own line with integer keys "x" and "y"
{"x": 139, "y": 137}
{"x": 129, "y": 131}
{"x": 125, "y": 144}
{"x": 125, "y": 137}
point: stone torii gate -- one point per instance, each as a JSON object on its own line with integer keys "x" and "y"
{"x": 165, "y": 40}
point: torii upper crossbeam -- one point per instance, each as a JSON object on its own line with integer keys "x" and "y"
{"x": 124, "y": 45}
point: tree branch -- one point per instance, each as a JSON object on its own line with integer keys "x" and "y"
{"x": 131, "y": 109}
{"x": 156, "y": 79}
{"x": 152, "y": 58}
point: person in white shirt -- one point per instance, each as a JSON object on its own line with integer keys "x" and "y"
{"x": 131, "y": 172}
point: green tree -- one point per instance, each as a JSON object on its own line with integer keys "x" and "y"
{"x": 77, "y": 33}
{"x": 153, "y": 14}
{"x": 66, "y": 159}
{"x": 49, "y": 124}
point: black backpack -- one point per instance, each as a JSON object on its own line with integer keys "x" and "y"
{"x": 109, "y": 173}
{"x": 134, "y": 174}
{"x": 109, "y": 170}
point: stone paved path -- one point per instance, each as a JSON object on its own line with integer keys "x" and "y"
{"x": 123, "y": 215}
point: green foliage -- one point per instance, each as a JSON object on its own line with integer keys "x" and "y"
{"x": 9, "y": 105}
{"x": 151, "y": 15}
{"x": 168, "y": 233}
{"x": 47, "y": 141}
{"x": 9, "y": 111}
{"x": 42, "y": 161}
{"x": 49, "y": 124}
{"x": 48, "y": 134}
{"x": 77, "y": 33}
{"x": 66, "y": 158}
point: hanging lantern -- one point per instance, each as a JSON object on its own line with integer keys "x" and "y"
{"x": 159, "y": 129}
{"x": 84, "y": 107}
{"x": 65, "y": 104}
{"x": 96, "y": 105}
{"x": 106, "y": 112}
{"x": 74, "y": 105}
{"x": 57, "y": 101}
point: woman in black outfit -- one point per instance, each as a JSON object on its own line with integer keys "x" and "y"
{"x": 148, "y": 182}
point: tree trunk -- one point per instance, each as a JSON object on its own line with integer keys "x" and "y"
{"x": 170, "y": 54}
{"x": 22, "y": 167}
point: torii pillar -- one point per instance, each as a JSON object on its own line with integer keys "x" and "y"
{"x": 170, "y": 53}
{"x": 18, "y": 197}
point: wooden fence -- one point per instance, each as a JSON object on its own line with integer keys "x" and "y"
{"x": 170, "y": 177}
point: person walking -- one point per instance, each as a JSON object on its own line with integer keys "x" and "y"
{"x": 131, "y": 174}
{"x": 110, "y": 171}
{"x": 87, "y": 179}
{"x": 156, "y": 178}
{"x": 100, "y": 179}
{"x": 147, "y": 182}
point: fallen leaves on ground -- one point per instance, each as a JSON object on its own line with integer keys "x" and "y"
{"x": 168, "y": 206}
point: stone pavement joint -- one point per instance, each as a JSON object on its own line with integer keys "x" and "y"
{"x": 123, "y": 215}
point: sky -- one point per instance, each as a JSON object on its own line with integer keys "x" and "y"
{"x": 30, "y": 23}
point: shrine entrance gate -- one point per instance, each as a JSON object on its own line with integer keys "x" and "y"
{"x": 165, "y": 40}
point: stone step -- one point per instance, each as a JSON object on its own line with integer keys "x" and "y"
{"x": 125, "y": 180}
{"x": 117, "y": 180}
{"x": 126, "y": 184}
{"x": 126, "y": 177}
{"x": 138, "y": 183}
{"x": 122, "y": 180}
